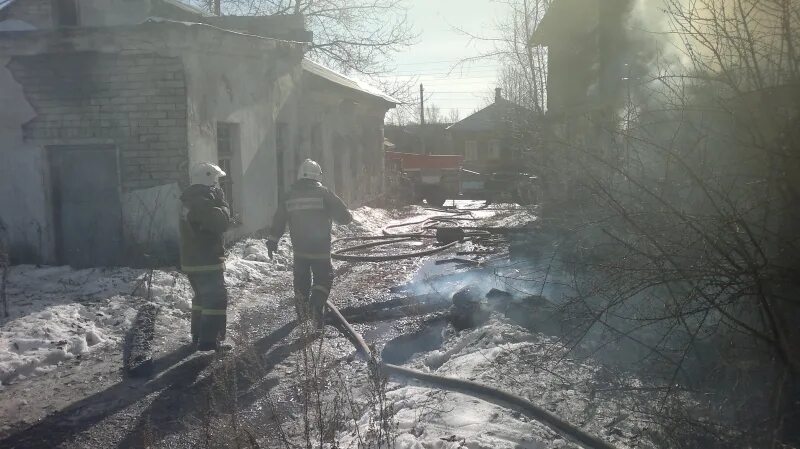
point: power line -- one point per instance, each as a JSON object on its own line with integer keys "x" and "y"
{"x": 438, "y": 77}
{"x": 453, "y": 67}
{"x": 436, "y": 61}
{"x": 454, "y": 81}
{"x": 445, "y": 70}
{"x": 439, "y": 70}
{"x": 460, "y": 80}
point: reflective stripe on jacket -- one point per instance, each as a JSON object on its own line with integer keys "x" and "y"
{"x": 308, "y": 209}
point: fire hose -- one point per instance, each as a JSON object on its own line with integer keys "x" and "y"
{"x": 489, "y": 394}
{"x": 449, "y": 236}
{"x": 388, "y": 238}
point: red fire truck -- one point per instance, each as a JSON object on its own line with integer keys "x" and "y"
{"x": 439, "y": 177}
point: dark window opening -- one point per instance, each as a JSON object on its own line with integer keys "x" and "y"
{"x": 227, "y": 150}
{"x": 65, "y": 13}
{"x": 281, "y": 146}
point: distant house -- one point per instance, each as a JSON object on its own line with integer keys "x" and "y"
{"x": 108, "y": 103}
{"x": 494, "y": 138}
{"x": 412, "y": 138}
{"x": 404, "y": 138}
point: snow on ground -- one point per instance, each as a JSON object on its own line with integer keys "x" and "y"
{"x": 434, "y": 419}
{"x": 61, "y": 314}
{"x": 58, "y": 313}
{"x": 510, "y": 358}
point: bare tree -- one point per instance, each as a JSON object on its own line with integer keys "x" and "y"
{"x": 453, "y": 116}
{"x": 523, "y": 65}
{"x": 433, "y": 115}
{"x": 683, "y": 241}
{"x": 359, "y": 36}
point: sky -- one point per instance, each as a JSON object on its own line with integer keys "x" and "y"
{"x": 440, "y": 47}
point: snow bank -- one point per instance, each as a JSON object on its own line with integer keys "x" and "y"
{"x": 249, "y": 260}
{"x": 60, "y": 314}
{"x": 428, "y": 419}
{"x": 366, "y": 221}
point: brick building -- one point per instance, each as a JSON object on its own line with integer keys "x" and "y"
{"x": 113, "y": 101}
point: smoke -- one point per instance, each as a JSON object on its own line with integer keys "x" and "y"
{"x": 756, "y": 39}
{"x": 653, "y": 45}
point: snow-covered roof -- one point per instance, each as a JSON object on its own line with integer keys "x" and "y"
{"x": 331, "y": 75}
{"x": 174, "y": 3}
{"x": 15, "y": 25}
{"x": 184, "y": 6}
{"x": 5, "y": 3}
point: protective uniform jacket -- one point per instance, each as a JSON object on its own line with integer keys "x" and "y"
{"x": 308, "y": 209}
{"x": 205, "y": 218}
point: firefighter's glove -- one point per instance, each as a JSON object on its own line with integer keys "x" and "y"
{"x": 272, "y": 247}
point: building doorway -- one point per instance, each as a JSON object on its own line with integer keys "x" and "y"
{"x": 87, "y": 213}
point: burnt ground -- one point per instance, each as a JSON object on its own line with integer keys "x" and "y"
{"x": 186, "y": 396}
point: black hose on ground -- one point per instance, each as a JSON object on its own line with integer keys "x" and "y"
{"x": 374, "y": 243}
{"x": 489, "y": 394}
{"x": 429, "y": 224}
{"x": 337, "y": 255}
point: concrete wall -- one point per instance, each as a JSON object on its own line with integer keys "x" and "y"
{"x": 253, "y": 93}
{"x": 136, "y": 103}
{"x": 22, "y": 192}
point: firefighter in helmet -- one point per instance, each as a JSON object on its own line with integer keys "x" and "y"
{"x": 308, "y": 209}
{"x": 204, "y": 219}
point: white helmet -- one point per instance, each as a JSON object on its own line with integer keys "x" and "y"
{"x": 310, "y": 170}
{"x": 206, "y": 173}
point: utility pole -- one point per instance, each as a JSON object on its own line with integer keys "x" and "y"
{"x": 421, "y": 105}
{"x": 422, "y": 118}
{"x": 217, "y": 8}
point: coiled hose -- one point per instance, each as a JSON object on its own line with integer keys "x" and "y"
{"x": 388, "y": 238}
{"x": 489, "y": 394}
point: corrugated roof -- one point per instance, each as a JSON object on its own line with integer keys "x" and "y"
{"x": 333, "y": 76}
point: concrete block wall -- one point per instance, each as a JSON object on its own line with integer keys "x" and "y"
{"x": 137, "y": 102}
